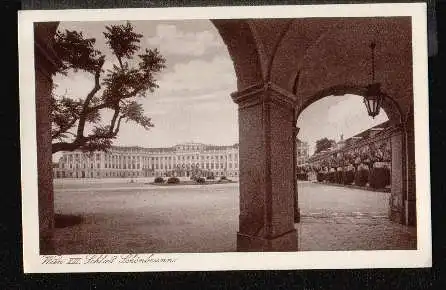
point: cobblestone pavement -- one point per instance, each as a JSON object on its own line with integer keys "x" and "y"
{"x": 338, "y": 218}
{"x": 138, "y": 218}
{"x": 353, "y": 232}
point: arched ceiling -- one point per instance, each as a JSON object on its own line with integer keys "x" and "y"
{"x": 313, "y": 57}
{"x": 243, "y": 49}
{"x": 343, "y": 57}
{"x": 316, "y": 56}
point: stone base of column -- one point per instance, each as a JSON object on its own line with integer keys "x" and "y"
{"x": 286, "y": 242}
{"x": 396, "y": 216}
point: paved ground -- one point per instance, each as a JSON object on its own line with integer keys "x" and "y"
{"x": 136, "y": 217}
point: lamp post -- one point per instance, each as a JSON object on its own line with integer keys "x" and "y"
{"x": 373, "y": 96}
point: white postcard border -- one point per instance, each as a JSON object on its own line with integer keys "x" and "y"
{"x": 228, "y": 261}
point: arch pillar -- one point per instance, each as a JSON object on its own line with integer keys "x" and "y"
{"x": 410, "y": 202}
{"x": 397, "y": 197}
{"x": 46, "y": 64}
{"x": 402, "y": 203}
{"x": 296, "y": 194}
{"x": 267, "y": 169}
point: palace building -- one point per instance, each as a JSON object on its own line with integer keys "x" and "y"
{"x": 183, "y": 160}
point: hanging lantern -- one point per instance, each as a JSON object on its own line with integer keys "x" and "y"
{"x": 373, "y": 96}
{"x": 373, "y": 99}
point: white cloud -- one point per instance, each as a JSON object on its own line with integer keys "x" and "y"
{"x": 170, "y": 40}
{"x": 188, "y": 77}
{"x": 76, "y": 85}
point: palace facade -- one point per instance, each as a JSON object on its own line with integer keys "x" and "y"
{"x": 183, "y": 160}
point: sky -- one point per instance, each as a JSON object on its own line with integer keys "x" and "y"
{"x": 335, "y": 115}
{"x": 193, "y": 102}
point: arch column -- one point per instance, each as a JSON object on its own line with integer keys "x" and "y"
{"x": 410, "y": 202}
{"x": 397, "y": 197}
{"x": 296, "y": 195}
{"x": 267, "y": 165}
{"x": 46, "y": 64}
{"x": 402, "y": 204}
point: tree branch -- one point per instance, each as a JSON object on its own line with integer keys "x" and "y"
{"x": 118, "y": 125}
{"x": 64, "y": 129}
{"x": 83, "y": 115}
{"x": 120, "y": 61}
{"x": 115, "y": 116}
{"x": 65, "y": 146}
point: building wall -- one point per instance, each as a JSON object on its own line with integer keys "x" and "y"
{"x": 181, "y": 160}
{"x": 303, "y": 153}
{"x": 370, "y": 140}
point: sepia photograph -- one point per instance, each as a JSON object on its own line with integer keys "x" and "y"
{"x": 157, "y": 137}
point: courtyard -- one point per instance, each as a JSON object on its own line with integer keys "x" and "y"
{"x": 119, "y": 216}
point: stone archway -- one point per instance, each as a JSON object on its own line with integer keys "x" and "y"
{"x": 339, "y": 62}
{"x": 277, "y": 63}
{"x": 398, "y": 138}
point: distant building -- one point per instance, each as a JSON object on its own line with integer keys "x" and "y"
{"x": 302, "y": 150}
{"x": 341, "y": 143}
{"x": 186, "y": 159}
{"x": 375, "y": 139}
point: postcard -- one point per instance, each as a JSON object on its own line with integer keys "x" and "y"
{"x": 225, "y": 138}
